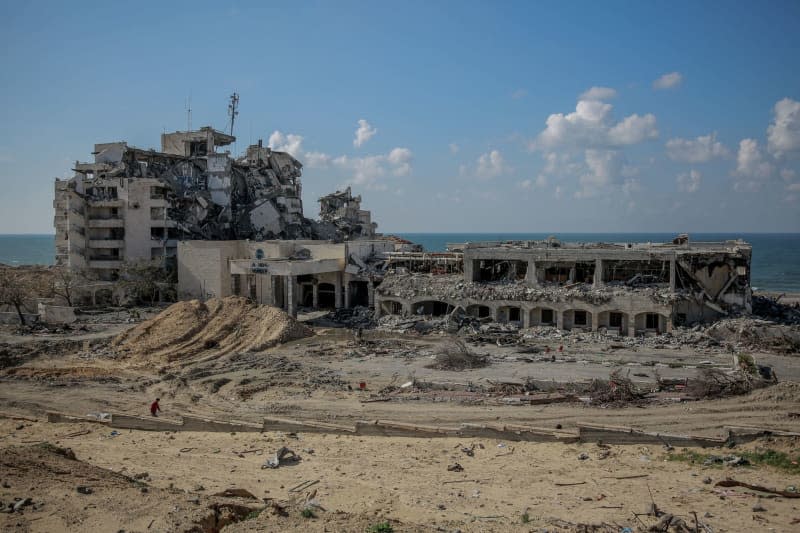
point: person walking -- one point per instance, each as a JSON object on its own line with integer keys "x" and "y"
{"x": 155, "y": 408}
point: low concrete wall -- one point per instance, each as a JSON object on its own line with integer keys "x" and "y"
{"x": 60, "y": 418}
{"x": 383, "y": 428}
{"x": 294, "y": 426}
{"x": 144, "y": 424}
{"x": 744, "y": 434}
{"x": 191, "y": 423}
{"x": 625, "y": 435}
{"x": 399, "y": 429}
{"x": 56, "y": 314}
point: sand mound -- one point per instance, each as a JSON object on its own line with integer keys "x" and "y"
{"x": 786, "y": 391}
{"x": 227, "y": 325}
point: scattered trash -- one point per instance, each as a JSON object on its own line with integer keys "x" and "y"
{"x": 236, "y": 493}
{"x": 284, "y": 455}
{"x": 84, "y": 489}
{"x": 455, "y": 467}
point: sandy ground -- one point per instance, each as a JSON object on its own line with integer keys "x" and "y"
{"x": 364, "y": 481}
{"x": 403, "y": 479}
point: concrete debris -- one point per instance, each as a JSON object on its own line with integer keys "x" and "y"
{"x": 454, "y": 287}
{"x": 341, "y": 213}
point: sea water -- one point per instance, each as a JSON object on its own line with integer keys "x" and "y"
{"x": 776, "y": 256}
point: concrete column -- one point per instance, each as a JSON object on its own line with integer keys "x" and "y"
{"x": 595, "y": 317}
{"x": 572, "y": 274}
{"x": 377, "y": 305}
{"x": 598, "y": 272}
{"x": 532, "y": 278}
{"x": 347, "y": 295}
{"x": 526, "y": 317}
{"x": 559, "y": 319}
{"x": 338, "y": 290}
{"x": 469, "y": 270}
{"x": 669, "y": 323}
{"x": 632, "y": 326}
{"x": 291, "y": 304}
{"x": 273, "y": 297}
{"x": 493, "y": 313}
{"x": 370, "y": 295}
{"x": 315, "y": 295}
{"x": 672, "y": 274}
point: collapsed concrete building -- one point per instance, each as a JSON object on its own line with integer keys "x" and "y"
{"x": 134, "y": 205}
{"x": 287, "y": 273}
{"x": 620, "y": 289}
{"x": 624, "y": 289}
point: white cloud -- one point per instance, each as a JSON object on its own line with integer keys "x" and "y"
{"x": 788, "y": 174}
{"x": 519, "y": 93}
{"x": 558, "y": 192}
{"x": 668, "y": 81}
{"x": 604, "y": 169}
{"x": 689, "y": 181}
{"x": 364, "y": 133}
{"x": 316, "y": 160}
{"x": 454, "y": 148}
{"x": 699, "y": 150}
{"x": 633, "y": 129}
{"x": 598, "y": 93}
{"x": 400, "y": 159}
{"x": 591, "y": 126}
{"x": 751, "y": 168}
{"x": 369, "y": 170}
{"x": 539, "y": 183}
{"x": 491, "y": 165}
{"x": 793, "y": 187}
{"x": 291, "y": 143}
{"x": 783, "y": 134}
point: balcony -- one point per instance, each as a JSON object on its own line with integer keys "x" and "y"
{"x": 106, "y": 223}
{"x": 104, "y": 202}
{"x": 162, "y": 223}
{"x": 106, "y": 243}
{"x": 105, "y": 263}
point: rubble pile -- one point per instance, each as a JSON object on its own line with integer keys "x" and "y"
{"x": 715, "y": 383}
{"x": 453, "y": 287}
{"x": 355, "y": 317}
{"x": 755, "y": 334}
{"x": 771, "y": 308}
{"x": 455, "y": 355}
{"x": 231, "y": 324}
{"x": 617, "y": 390}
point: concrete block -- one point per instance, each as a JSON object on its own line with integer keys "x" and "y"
{"x": 296, "y": 426}
{"x": 191, "y": 423}
{"x": 626, "y": 435}
{"x": 144, "y": 423}
{"x": 399, "y": 429}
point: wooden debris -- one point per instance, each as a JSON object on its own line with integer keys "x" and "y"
{"x": 734, "y": 483}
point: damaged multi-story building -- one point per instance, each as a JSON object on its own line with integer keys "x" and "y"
{"x": 132, "y": 205}
{"x": 624, "y": 289}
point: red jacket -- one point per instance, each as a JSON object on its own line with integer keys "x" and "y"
{"x": 155, "y": 407}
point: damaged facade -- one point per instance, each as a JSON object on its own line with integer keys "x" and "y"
{"x": 286, "y": 274}
{"x": 134, "y": 205}
{"x": 625, "y": 289}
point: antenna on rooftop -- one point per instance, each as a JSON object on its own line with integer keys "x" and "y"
{"x": 232, "y": 111}
{"x": 189, "y": 114}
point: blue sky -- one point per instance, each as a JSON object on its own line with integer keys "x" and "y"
{"x": 445, "y": 116}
